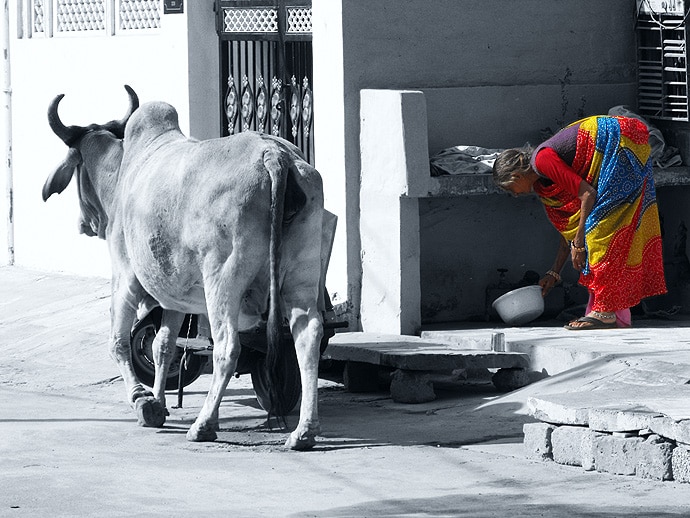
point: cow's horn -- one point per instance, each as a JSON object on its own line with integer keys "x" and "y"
{"x": 118, "y": 127}
{"x": 67, "y": 134}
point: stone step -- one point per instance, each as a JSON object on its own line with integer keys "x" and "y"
{"x": 662, "y": 409}
{"x": 414, "y": 353}
{"x": 413, "y": 359}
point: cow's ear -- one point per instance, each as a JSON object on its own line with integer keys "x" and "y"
{"x": 60, "y": 178}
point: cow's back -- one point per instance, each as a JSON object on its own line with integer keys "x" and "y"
{"x": 186, "y": 203}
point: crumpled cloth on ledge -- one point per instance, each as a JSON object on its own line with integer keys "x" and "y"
{"x": 663, "y": 155}
{"x": 463, "y": 160}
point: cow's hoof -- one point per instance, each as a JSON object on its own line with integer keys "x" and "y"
{"x": 138, "y": 392}
{"x": 150, "y": 412}
{"x": 202, "y": 433}
{"x": 295, "y": 442}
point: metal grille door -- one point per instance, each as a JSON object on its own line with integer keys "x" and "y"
{"x": 266, "y": 69}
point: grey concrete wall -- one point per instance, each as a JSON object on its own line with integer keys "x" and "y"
{"x": 674, "y": 212}
{"x": 566, "y": 47}
{"x": 500, "y": 116}
{"x": 465, "y": 240}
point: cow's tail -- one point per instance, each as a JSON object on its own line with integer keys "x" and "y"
{"x": 276, "y": 354}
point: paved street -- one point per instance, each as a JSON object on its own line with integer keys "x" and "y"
{"x": 70, "y": 445}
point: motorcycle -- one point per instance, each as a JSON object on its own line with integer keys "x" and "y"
{"x": 191, "y": 359}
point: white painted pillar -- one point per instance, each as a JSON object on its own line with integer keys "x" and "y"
{"x": 329, "y": 135}
{"x": 395, "y": 172}
{"x": 6, "y": 131}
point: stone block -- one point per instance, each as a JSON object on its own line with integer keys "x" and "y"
{"x": 680, "y": 464}
{"x": 678, "y": 431}
{"x": 654, "y": 458}
{"x": 411, "y": 387}
{"x": 506, "y": 380}
{"x": 616, "y": 455}
{"x": 588, "y": 445}
{"x": 537, "y": 441}
{"x": 574, "y": 446}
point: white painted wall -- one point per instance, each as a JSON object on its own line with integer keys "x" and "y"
{"x": 91, "y": 71}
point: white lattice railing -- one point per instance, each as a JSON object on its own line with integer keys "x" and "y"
{"x": 264, "y": 20}
{"x": 96, "y": 17}
{"x": 299, "y": 20}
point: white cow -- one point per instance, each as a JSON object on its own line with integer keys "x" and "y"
{"x": 210, "y": 227}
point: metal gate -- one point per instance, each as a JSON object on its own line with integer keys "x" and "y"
{"x": 266, "y": 69}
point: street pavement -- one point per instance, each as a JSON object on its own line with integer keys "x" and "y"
{"x": 70, "y": 445}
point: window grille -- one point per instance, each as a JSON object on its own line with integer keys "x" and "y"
{"x": 250, "y": 20}
{"x": 139, "y": 14}
{"x": 79, "y": 15}
{"x": 66, "y": 18}
{"x": 662, "y": 60}
{"x": 38, "y": 16}
{"x": 299, "y": 20}
{"x": 264, "y": 20}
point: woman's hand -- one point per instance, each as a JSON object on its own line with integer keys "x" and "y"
{"x": 578, "y": 254}
{"x": 579, "y": 258}
{"x": 547, "y": 282}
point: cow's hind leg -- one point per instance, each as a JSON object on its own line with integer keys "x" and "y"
{"x": 307, "y": 329}
{"x": 300, "y": 291}
{"x": 224, "y": 292}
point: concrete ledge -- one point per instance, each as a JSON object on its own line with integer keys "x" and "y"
{"x": 554, "y": 350}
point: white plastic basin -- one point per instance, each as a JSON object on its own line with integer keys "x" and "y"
{"x": 520, "y": 306}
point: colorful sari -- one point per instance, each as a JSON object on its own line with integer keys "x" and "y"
{"x": 622, "y": 233}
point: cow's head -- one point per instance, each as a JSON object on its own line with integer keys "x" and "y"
{"x": 95, "y": 153}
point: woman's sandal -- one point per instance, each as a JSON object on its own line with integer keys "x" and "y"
{"x": 593, "y": 323}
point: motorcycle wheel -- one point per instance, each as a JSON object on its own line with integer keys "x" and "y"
{"x": 142, "y": 359}
{"x": 292, "y": 389}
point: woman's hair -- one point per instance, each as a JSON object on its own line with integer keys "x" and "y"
{"x": 515, "y": 160}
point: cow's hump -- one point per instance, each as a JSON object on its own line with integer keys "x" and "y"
{"x": 151, "y": 120}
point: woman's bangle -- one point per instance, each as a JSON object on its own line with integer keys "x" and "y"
{"x": 554, "y": 275}
{"x": 577, "y": 248}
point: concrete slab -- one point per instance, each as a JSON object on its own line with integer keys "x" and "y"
{"x": 417, "y": 354}
{"x": 669, "y": 400}
{"x": 553, "y": 349}
{"x": 611, "y": 380}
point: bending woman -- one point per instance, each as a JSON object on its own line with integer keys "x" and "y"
{"x": 595, "y": 181}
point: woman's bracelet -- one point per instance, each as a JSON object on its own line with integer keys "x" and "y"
{"x": 554, "y": 275}
{"x": 577, "y": 248}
